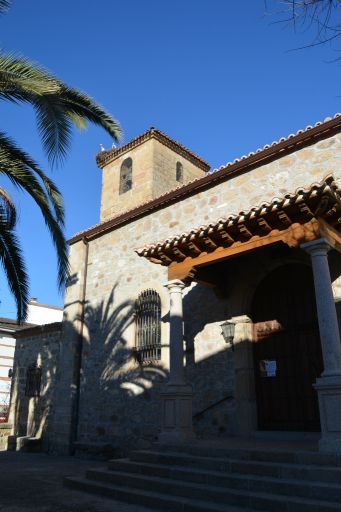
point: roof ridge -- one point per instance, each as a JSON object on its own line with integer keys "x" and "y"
{"x": 276, "y": 142}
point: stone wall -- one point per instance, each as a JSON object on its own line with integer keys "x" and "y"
{"x": 33, "y": 416}
{"x": 5, "y": 431}
{"x": 119, "y": 398}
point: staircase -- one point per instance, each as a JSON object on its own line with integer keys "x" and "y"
{"x": 207, "y": 479}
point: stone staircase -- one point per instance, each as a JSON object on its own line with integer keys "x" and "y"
{"x": 199, "y": 479}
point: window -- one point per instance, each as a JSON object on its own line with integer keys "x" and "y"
{"x": 148, "y": 326}
{"x": 126, "y": 176}
{"x": 33, "y": 381}
{"x": 179, "y": 172}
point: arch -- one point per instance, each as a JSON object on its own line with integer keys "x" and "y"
{"x": 148, "y": 326}
{"x": 126, "y": 176}
{"x": 179, "y": 172}
{"x": 287, "y": 350}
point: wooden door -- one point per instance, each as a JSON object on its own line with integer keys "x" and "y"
{"x": 287, "y": 350}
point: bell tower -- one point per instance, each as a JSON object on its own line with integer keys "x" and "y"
{"x": 143, "y": 169}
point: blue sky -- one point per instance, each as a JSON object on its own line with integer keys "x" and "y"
{"x": 215, "y": 75}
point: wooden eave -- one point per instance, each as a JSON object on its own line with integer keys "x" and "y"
{"x": 305, "y": 215}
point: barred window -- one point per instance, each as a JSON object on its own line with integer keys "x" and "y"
{"x": 148, "y": 326}
{"x": 126, "y": 176}
{"x": 33, "y": 380}
{"x": 179, "y": 172}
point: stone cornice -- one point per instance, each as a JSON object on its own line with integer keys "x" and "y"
{"x": 103, "y": 158}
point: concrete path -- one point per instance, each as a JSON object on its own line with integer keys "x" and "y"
{"x": 32, "y": 482}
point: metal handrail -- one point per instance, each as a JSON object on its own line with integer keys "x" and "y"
{"x": 197, "y": 414}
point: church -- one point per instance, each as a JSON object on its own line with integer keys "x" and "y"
{"x": 203, "y": 305}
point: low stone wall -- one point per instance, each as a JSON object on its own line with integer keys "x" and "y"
{"x": 32, "y": 416}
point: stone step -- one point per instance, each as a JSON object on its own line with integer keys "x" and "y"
{"x": 264, "y": 454}
{"x": 311, "y": 473}
{"x": 179, "y": 496}
{"x": 217, "y": 486}
{"x": 150, "y": 499}
{"x": 214, "y": 463}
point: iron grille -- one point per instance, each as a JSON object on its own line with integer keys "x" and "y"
{"x": 148, "y": 326}
{"x": 33, "y": 381}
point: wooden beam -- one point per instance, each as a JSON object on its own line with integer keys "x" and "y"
{"x": 292, "y": 236}
{"x": 330, "y": 234}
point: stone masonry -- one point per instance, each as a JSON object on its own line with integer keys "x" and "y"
{"x": 119, "y": 398}
{"x": 33, "y": 416}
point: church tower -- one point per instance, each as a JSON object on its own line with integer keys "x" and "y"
{"x": 143, "y": 169}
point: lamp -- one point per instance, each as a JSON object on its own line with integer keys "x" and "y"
{"x": 227, "y": 330}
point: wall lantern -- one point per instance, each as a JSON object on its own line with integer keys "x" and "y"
{"x": 227, "y": 329}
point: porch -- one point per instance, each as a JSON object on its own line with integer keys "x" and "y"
{"x": 238, "y": 256}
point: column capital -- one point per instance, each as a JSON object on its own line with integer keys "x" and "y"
{"x": 318, "y": 247}
{"x": 176, "y": 285}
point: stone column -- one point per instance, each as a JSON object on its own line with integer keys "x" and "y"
{"x": 177, "y": 395}
{"x": 245, "y": 416}
{"x": 328, "y": 386}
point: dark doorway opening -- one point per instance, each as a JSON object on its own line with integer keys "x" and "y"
{"x": 287, "y": 350}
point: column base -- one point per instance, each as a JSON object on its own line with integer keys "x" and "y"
{"x": 177, "y": 425}
{"x": 329, "y": 395}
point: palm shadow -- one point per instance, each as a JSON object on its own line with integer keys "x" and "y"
{"x": 115, "y": 386}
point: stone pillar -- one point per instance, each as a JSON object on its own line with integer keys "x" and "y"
{"x": 177, "y": 395}
{"x": 245, "y": 397}
{"x": 328, "y": 386}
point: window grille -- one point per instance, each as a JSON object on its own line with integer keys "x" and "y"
{"x": 33, "y": 381}
{"x": 126, "y": 176}
{"x": 179, "y": 172}
{"x": 148, "y": 326}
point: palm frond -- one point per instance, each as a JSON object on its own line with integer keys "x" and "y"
{"x": 17, "y": 154}
{"x": 56, "y": 113}
{"x": 54, "y": 126}
{"x": 4, "y": 5}
{"x": 8, "y": 208}
{"x": 82, "y": 105}
{"x": 57, "y": 106}
{"x": 22, "y": 177}
{"x": 13, "y": 264}
{"x": 21, "y": 78}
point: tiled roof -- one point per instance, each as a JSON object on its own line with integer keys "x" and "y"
{"x": 105, "y": 157}
{"x": 261, "y": 156}
{"x": 321, "y": 200}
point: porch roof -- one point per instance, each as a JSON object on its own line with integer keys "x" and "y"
{"x": 320, "y": 202}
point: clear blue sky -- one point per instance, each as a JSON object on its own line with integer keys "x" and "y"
{"x": 215, "y": 75}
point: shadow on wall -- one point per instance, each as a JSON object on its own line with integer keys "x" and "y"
{"x": 31, "y": 416}
{"x": 119, "y": 402}
{"x": 119, "y": 397}
{"x": 209, "y": 362}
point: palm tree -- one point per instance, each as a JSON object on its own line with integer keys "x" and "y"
{"x": 58, "y": 108}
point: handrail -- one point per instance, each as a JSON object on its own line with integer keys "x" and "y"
{"x": 200, "y": 413}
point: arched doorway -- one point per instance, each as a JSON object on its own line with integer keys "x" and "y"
{"x": 287, "y": 350}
